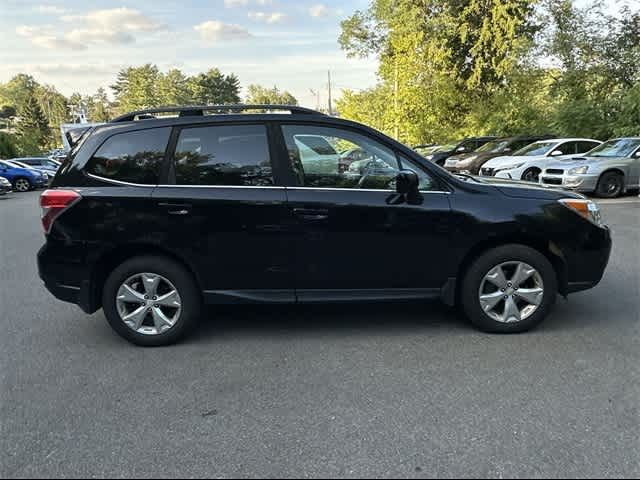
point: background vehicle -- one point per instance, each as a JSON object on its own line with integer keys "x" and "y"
{"x": 40, "y": 163}
{"x": 149, "y": 229}
{"x": 468, "y": 145}
{"x": 425, "y": 150}
{"x": 528, "y": 162}
{"x": 22, "y": 179}
{"x": 472, "y": 162}
{"x": 47, "y": 172}
{"x": 350, "y": 156}
{"x": 5, "y": 186}
{"x": 609, "y": 170}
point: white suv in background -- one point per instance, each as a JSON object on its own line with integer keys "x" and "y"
{"x": 528, "y": 162}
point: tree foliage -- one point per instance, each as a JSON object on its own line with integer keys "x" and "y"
{"x": 450, "y": 68}
{"x": 257, "y": 94}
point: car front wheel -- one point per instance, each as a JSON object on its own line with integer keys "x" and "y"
{"x": 610, "y": 185}
{"x": 151, "y": 301}
{"x": 509, "y": 289}
{"x": 22, "y": 185}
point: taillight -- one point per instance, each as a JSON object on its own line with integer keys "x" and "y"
{"x": 54, "y": 203}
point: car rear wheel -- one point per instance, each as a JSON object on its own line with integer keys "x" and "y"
{"x": 531, "y": 175}
{"x": 509, "y": 289}
{"x": 151, "y": 301}
{"x": 610, "y": 185}
{"x": 22, "y": 185}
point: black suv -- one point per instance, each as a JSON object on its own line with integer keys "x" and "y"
{"x": 151, "y": 216}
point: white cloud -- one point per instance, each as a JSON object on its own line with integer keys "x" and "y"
{"x": 50, "y": 9}
{"x": 45, "y": 38}
{"x": 113, "y": 26}
{"x": 214, "y": 31}
{"x": 264, "y": 3}
{"x": 319, "y": 11}
{"x": 275, "y": 17}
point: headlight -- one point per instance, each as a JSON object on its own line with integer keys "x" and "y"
{"x": 579, "y": 170}
{"x": 467, "y": 161}
{"x": 584, "y": 208}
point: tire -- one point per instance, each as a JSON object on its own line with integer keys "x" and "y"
{"x": 22, "y": 185}
{"x": 508, "y": 256}
{"x": 610, "y": 185}
{"x": 531, "y": 175}
{"x": 173, "y": 275}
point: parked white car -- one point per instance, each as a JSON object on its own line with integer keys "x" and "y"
{"x": 528, "y": 162}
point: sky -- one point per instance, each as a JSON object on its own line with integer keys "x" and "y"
{"x": 80, "y": 45}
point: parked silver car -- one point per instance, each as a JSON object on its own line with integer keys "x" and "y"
{"x": 608, "y": 170}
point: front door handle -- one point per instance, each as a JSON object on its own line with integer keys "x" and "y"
{"x": 312, "y": 214}
{"x": 179, "y": 209}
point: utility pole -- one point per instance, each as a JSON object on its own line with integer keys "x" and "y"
{"x": 330, "y": 101}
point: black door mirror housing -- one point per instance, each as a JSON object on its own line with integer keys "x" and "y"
{"x": 408, "y": 185}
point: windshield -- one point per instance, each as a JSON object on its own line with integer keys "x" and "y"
{"x": 536, "y": 149}
{"x": 622, "y": 147}
{"x": 447, "y": 148}
{"x": 13, "y": 163}
{"x": 495, "y": 146}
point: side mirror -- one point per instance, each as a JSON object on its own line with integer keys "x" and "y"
{"x": 407, "y": 182}
{"x": 556, "y": 153}
{"x": 461, "y": 149}
{"x": 408, "y": 186}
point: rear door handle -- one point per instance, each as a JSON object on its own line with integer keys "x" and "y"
{"x": 311, "y": 214}
{"x": 176, "y": 208}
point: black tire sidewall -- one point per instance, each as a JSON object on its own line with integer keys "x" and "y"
{"x": 483, "y": 264}
{"x": 603, "y": 180}
{"x": 176, "y": 274}
{"x": 528, "y": 171}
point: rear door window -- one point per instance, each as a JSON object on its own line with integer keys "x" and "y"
{"x": 132, "y": 157}
{"x": 231, "y": 155}
{"x": 584, "y": 147}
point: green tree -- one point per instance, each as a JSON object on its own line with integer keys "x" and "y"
{"x": 33, "y": 128}
{"x": 8, "y": 146}
{"x": 440, "y": 59}
{"x": 213, "y": 87}
{"x": 257, "y": 94}
{"x": 173, "y": 88}
{"x": 100, "y": 107}
{"x": 136, "y": 88}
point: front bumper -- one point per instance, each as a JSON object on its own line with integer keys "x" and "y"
{"x": 587, "y": 263}
{"x": 4, "y": 189}
{"x": 579, "y": 183}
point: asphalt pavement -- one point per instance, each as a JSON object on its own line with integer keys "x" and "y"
{"x": 332, "y": 391}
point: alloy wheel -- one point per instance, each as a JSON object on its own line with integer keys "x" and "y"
{"x": 148, "y": 304}
{"x": 511, "y": 292}
{"x": 22, "y": 185}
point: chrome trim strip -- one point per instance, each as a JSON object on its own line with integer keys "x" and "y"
{"x": 266, "y": 187}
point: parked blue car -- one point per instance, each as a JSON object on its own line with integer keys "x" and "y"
{"x": 22, "y": 179}
{"x": 43, "y": 164}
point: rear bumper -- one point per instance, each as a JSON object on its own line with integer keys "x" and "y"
{"x": 68, "y": 281}
{"x": 5, "y": 190}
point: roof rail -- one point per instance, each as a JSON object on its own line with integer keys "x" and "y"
{"x": 199, "y": 111}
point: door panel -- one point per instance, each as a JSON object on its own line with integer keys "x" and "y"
{"x": 235, "y": 237}
{"x": 357, "y": 239}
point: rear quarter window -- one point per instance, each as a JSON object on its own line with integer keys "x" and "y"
{"x": 133, "y": 157}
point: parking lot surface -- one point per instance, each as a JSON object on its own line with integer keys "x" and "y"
{"x": 352, "y": 391}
